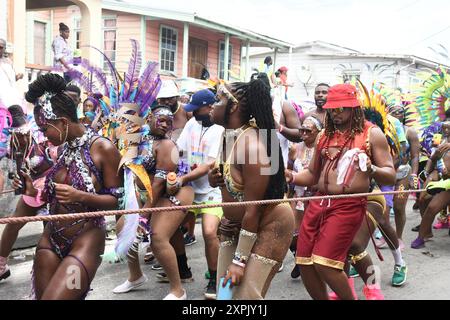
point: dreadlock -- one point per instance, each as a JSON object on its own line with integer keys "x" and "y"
{"x": 62, "y": 104}
{"x": 255, "y": 102}
{"x": 356, "y": 120}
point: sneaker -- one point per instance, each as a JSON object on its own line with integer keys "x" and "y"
{"x": 5, "y": 273}
{"x": 352, "y": 273}
{"x": 372, "y": 292}
{"x": 418, "y": 243}
{"x": 210, "y": 293}
{"x": 380, "y": 243}
{"x": 157, "y": 266}
{"x": 185, "y": 277}
{"x": 189, "y": 240}
{"x": 171, "y": 296}
{"x": 149, "y": 258}
{"x": 207, "y": 275}
{"x": 281, "y": 268}
{"x": 441, "y": 225}
{"x": 399, "y": 276}
{"x": 295, "y": 273}
{"x": 333, "y": 296}
{"x": 416, "y": 228}
{"x": 128, "y": 286}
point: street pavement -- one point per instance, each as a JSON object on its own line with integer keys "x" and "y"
{"x": 428, "y": 271}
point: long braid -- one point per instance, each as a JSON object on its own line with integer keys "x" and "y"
{"x": 255, "y": 102}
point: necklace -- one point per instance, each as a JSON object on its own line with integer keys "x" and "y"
{"x": 339, "y": 147}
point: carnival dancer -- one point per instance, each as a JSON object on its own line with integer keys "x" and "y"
{"x": 84, "y": 178}
{"x": 300, "y": 156}
{"x": 254, "y": 239}
{"x": 329, "y": 226}
{"x": 37, "y": 157}
{"x": 441, "y": 199}
{"x": 407, "y": 173}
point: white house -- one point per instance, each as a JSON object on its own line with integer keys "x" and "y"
{"x": 315, "y": 62}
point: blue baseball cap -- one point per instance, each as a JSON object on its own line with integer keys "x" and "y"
{"x": 199, "y": 99}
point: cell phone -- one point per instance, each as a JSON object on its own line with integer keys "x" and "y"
{"x": 221, "y": 168}
{"x": 224, "y": 293}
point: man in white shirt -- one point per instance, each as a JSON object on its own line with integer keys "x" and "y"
{"x": 199, "y": 144}
{"x": 63, "y": 54}
{"x": 8, "y": 77}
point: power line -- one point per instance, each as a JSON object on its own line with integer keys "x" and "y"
{"x": 429, "y": 37}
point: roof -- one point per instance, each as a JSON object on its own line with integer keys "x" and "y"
{"x": 410, "y": 58}
{"x": 194, "y": 19}
{"x": 309, "y": 44}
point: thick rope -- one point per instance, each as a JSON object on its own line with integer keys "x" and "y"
{"x": 84, "y": 215}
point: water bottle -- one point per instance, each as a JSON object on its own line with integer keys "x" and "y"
{"x": 224, "y": 293}
{"x": 171, "y": 181}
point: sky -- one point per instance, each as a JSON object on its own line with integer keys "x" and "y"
{"x": 369, "y": 26}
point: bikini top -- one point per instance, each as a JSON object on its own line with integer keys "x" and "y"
{"x": 235, "y": 189}
{"x": 149, "y": 160}
{"x": 76, "y": 158}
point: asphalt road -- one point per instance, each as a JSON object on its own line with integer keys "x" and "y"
{"x": 428, "y": 271}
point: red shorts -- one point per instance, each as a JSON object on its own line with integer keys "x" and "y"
{"x": 328, "y": 229}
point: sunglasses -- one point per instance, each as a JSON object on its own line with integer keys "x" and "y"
{"x": 336, "y": 110}
{"x": 305, "y": 130}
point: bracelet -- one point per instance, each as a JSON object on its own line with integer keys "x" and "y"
{"x": 240, "y": 264}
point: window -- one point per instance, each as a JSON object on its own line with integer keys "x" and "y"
{"x": 109, "y": 40}
{"x": 77, "y": 33}
{"x": 349, "y": 75}
{"x": 40, "y": 41}
{"x": 168, "y": 48}
{"x": 221, "y": 58}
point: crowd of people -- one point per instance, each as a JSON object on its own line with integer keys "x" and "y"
{"x": 134, "y": 144}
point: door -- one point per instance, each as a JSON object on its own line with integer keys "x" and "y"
{"x": 39, "y": 43}
{"x": 198, "y": 57}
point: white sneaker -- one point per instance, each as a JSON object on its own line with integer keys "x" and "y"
{"x": 171, "y": 296}
{"x": 128, "y": 286}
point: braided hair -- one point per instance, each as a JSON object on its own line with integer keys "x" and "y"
{"x": 62, "y": 104}
{"x": 17, "y": 115}
{"x": 255, "y": 102}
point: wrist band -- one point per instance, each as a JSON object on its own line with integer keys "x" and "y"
{"x": 240, "y": 264}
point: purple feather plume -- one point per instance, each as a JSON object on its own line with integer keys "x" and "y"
{"x": 81, "y": 79}
{"x": 99, "y": 75}
{"x": 149, "y": 84}
{"x": 134, "y": 67}
{"x": 114, "y": 75}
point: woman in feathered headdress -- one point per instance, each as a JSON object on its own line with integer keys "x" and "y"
{"x": 84, "y": 178}
{"x": 148, "y": 156}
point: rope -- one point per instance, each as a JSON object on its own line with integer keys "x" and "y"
{"x": 7, "y": 191}
{"x": 84, "y": 215}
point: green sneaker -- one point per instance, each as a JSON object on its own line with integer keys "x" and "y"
{"x": 352, "y": 273}
{"x": 399, "y": 276}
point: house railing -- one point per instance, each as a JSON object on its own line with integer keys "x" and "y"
{"x": 32, "y": 71}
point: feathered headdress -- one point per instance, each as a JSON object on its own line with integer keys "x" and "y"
{"x": 431, "y": 98}
{"x": 130, "y": 103}
{"x": 375, "y": 110}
